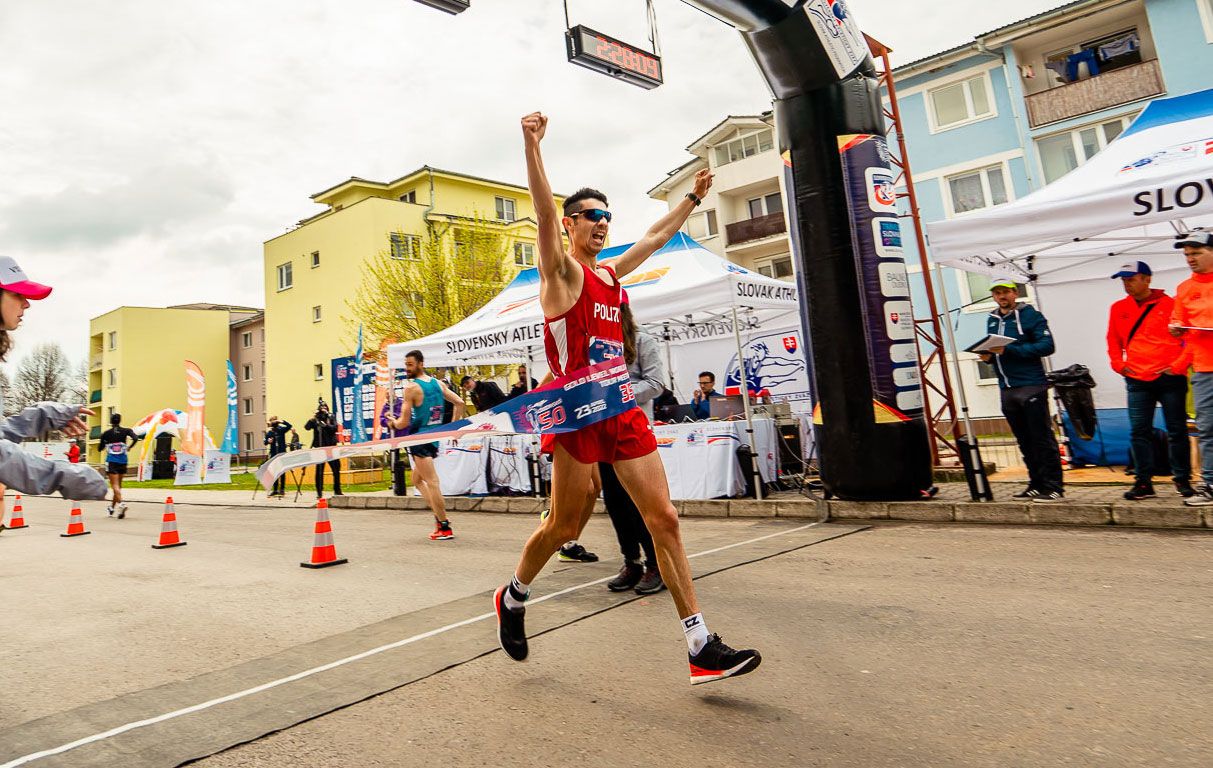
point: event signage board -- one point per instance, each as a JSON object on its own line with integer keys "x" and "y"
{"x": 215, "y": 467}
{"x": 345, "y": 379}
{"x": 776, "y": 367}
{"x": 884, "y": 287}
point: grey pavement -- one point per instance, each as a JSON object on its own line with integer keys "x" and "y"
{"x": 899, "y": 645}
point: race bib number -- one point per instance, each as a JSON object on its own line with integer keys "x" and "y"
{"x": 437, "y": 412}
{"x": 116, "y": 453}
{"x": 602, "y": 350}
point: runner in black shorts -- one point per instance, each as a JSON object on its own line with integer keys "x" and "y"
{"x": 114, "y": 447}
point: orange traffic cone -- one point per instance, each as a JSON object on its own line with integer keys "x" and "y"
{"x": 17, "y": 518}
{"x": 75, "y": 523}
{"x": 168, "y": 531}
{"x": 324, "y": 553}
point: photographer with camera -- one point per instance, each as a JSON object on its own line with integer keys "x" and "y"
{"x": 324, "y": 435}
{"x": 275, "y": 441}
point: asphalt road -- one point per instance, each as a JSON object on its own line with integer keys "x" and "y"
{"x": 895, "y": 646}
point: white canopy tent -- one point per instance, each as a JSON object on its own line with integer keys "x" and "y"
{"x": 1127, "y": 203}
{"x": 683, "y": 284}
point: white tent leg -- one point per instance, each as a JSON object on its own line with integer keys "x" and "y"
{"x": 745, "y": 401}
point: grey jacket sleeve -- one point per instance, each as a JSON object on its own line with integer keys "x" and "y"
{"x": 37, "y": 419}
{"x": 34, "y": 475}
{"x": 648, "y": 372}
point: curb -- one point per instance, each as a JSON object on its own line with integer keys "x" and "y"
{"x": 996, "y": 513}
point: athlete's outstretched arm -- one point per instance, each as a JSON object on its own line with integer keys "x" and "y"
{"x": 552, "y": 261}
{"x": 660, "y": 233}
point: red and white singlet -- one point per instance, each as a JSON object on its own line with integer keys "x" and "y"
{"x": 589, "y": 333}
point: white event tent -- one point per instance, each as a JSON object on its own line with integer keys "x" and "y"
{"x": 682, "y": 284}
{"x": 1127, "y": 203}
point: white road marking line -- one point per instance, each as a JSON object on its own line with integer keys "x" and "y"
{"x": 339, "y": 663}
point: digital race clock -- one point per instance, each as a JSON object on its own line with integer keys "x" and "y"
{"x": 596, "y": 51}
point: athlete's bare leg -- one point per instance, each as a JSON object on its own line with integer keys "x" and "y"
{"x": 644, "y": 480}
{"x": 116, "y": 485}
{"x": 572, "y": 484}
{"x": 425, "y": 477}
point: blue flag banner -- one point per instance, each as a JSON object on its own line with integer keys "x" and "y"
{"x": 233, "y": 427}
{"x": 567, "y": 404}
{"x": 357, "y": 425}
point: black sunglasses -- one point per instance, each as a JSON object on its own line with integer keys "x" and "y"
{"x": 595, "y": 215}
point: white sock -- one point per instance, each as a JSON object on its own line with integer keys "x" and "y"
{"x": 512, "y": 598}
{"x": 696, "y": 631}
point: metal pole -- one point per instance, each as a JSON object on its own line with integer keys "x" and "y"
{"x": 745, "y": 401}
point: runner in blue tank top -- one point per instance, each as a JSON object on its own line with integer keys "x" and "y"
{"x": 424, "y": 399}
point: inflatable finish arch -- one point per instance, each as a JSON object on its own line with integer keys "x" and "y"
{"x": 872, "y": 432}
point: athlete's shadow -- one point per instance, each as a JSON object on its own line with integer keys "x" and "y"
{"x": 755, "y": 709}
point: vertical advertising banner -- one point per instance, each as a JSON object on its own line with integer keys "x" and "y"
{"x": 358, "y": 427}
{"x": 230, "y": 431}
{"x": 193, "y": 442}
{"x": 884, "y": 288}
{"x": 354, "y": 392}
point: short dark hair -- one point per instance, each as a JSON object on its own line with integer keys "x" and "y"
{"x": 416, "y": 355}
{"x": 585, "y": 193}
{"x": 463, "y": 382}
{"x": 709, "y": 374}
{"x": 115, "y": 419}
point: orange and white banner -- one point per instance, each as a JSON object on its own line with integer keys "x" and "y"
{"x": 193, "y": 442}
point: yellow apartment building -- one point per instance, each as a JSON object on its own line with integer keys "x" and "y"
{"x": 137, "y": 362}
{"x": 315, "y": 270}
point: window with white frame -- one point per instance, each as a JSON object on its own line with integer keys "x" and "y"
{"x": 524, "y": 255}
{"x": 111, "y": 377}
{"x": 286, "y": 276}
{"x": 1063, "y": 152}
{"x": 405, "y": 247}
{"x": 978, "y": 287}
{"x": 959, "y": 103}
{"x": 505, "y": 208}
{"x": 246, "y": 372}
{"x": 315, "y": 314}
{"x": 112, "y": 340}
{"x": 315, "y": 259}
{"x": 703, "y": 225}
{"x": 745, "y": 146}
{"x": 779, "y": 266}
{"x": 974, "y": 190}
{"x": 248, "y": 406}
{"x": 318, "y": 371}
{"x": 765, "y": 205}
{"x": 246, "y": 339}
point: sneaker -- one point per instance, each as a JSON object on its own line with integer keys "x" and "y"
{"x": 1201, "y": 497}
{"x": 442, "y": 533}
{"x": 651, "y": 584}
{"x": 122, "y": 510}
{"x": 110, "y": 509}
{"x": 1048, "y": 498}
{"x": 1027, "y": 494}
{"x": 716, "y": 661}
{"x": 1140, "y": 491}
{"x": 511, "y": 632}
{"x": 629, "y": 575}
{"x": 1185, "y": 489}
{"x": 575, "y": 553}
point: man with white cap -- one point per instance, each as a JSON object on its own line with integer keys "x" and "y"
{"x": 1154, "y": 365}
{"x": 1192, "y": 320}
{"x": 19, "y": 470}
{"x": 1025, "y": 393}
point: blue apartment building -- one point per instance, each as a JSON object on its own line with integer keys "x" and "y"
{"x": 1018, "y": 107}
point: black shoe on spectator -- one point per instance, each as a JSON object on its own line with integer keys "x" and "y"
{"x": 1027, "y": 494}
{"x": 1185, "y": 489}
{"x": 651, "y": 584}
{"x": 1048, "y": 498}
{"x": 1201, "y": 497}
{"x": 1140, "y": 491}
{"x": 628, "y": 577}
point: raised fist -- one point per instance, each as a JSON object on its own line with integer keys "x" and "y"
{"x": 703, "y": 182}
{"x": 534, "y": 126}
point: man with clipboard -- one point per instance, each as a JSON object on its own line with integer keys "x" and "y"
{"x": 1018, "y": 340}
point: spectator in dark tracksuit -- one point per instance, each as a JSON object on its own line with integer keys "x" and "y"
{"x": 275, "y": 440}
{"x": 1024, "y": 391}
{"x": 324, "y": 435}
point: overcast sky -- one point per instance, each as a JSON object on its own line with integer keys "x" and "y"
{"x": 149, "y": 147}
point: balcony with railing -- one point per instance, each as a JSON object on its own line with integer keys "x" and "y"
{"x": 756, "y": 228}
{"x": 1103, "y": 91}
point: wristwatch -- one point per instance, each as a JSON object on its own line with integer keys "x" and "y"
{"x": 694, "y": 198}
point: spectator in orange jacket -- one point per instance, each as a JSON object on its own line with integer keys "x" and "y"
{"x": 1192, "y": 320}
{"x": 1155, "y": 365}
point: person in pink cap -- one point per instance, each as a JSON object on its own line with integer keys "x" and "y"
{"x": 23, "y": 471}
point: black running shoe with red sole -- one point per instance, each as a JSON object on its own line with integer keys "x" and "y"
{"x": 511, "y": 629}
{"x": 716, "y": 661}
